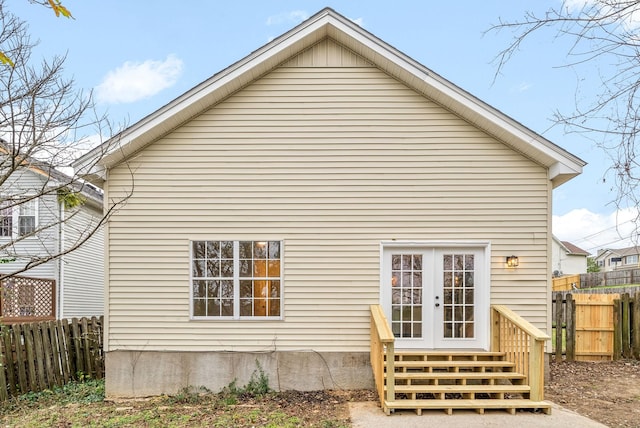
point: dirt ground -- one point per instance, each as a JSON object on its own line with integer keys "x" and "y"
{"x": 608, "y": 392}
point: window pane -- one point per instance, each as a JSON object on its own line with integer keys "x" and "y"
{"x": 26, "y": 225}
{"x": 213, "y": 249}
{"x": 274, "y": 250}
{"x": 199, "y": 307}
{"x": 274, "y": 289}
{"x": 199, "y": 289}
{"x": 245, "y": 250}
{"x": 213, "y": 289}
{"x": 260, "y": 250}
{"x": 226, "y": 289}
{"x": 213, "y": 268}
{"x": 227, "y": 307}
{"x": 6, "y": 222}
{"x": 260, "y": 268}
{"x": 198, "y": 268}
{"x": 226, "y": 249}
{"x": 246, "y": 308}
{"x": 274, "y": 268}
{"x": 198, "y": 249}
{"x": 246, "y": 289}
{"x": 246, "y": 267}
{"x": 274, "y": 308}
{"x": 226, "y": 268}
{"x": 213, "y": 307}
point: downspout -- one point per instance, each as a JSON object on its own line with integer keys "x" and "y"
{"x": 61, "y": 213}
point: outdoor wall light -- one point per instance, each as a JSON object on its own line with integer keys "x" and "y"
{"x": 512, "y": 261}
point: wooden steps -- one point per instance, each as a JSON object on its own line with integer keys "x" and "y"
{"x": 510, "y": 405}
{"x": 450, "y": 380}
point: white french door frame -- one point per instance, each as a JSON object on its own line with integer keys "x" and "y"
{"x": 432, "y": 319}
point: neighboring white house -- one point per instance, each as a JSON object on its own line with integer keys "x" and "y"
{"x": 567, "y": 259}
{"x": 615, "y": 259}
{"x": 277, "y": 201}
{"x": 33, "y": 228}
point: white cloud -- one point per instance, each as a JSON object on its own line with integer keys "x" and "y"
{"x": 134, "y": 81}
{"x": 592, "y": 231}
{"x": 293, "y": 17}
{"x": 358, "y": 21}
{"x": 522, "y": 87}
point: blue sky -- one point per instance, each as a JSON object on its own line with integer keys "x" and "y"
{"x": 138, "y": 56}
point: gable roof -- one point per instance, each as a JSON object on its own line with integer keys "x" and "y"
{"x": 327, "y": 23}
{"x": 92, "y": 193}
{"x": 618, "y": 252}
{"x": 573, "y": 249}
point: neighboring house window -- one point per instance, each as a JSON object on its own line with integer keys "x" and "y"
{"x": 236, "y": 279}
{"x": 20, "y": 219}
{"x": 6, "y": 221}
{"x": 601, "y": 263}
{"x": 631, "y": 260}
{"x": 27, "y": 217}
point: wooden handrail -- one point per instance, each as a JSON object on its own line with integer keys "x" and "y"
{"x": 525, "y": 325}
{"x": 382, "y": 344}
{"x": 382, "y": 326}
{"x": 522, "y": 343}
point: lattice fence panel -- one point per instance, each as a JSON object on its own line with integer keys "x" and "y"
{"x": 27, "y": 298}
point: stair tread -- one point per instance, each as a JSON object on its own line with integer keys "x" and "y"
{"x": 462, "y": 388}
{"x": 468, "y": 404}
{"x": 445, "y": 353}
{"x": 458, "y": 375}
{"x": 463, "y": 363}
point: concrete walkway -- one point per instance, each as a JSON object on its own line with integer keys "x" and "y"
{"x": 369, "y": 415}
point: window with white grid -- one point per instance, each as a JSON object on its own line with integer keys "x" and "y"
{"x": 236, "y": 279}
{"x": 17, "y": 220}
{"x": 27, "y": 214}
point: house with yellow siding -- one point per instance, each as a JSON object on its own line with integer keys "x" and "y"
{"x": 329, "y": 209}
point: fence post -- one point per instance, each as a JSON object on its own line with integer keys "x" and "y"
{"x": 617, "y": 329}
{"x": 626, "y": 338}
{"x": 559, "y": 321}
{"x": 635, "y": 331}
{"x": 570, "y": 315}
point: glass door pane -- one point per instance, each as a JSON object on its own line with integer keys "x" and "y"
{"x": 459, "y": 295}
{"x": 406, "y": 295}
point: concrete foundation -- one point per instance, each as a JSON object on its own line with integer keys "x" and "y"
{"x": 149, "y": 373}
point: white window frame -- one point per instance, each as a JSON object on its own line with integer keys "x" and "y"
{"x": 17, "y": 214}
{"x": 236, "y": 278}
{"x": 631, "y": 260}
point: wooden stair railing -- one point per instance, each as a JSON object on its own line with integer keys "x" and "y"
{"x": 522, "y": 343}
{"x": 382, "y": 343}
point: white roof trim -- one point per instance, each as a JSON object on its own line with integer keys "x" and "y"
{"x": 561, "y": 164}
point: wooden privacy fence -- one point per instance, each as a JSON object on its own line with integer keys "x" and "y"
{"x": 39, "y": 356}
{"x": 611, "y": 278}
{"x": 565, "y": 283}
{"x": 591, "y": 327}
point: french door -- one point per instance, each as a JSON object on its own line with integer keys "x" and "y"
{"x": 436, "y": 297}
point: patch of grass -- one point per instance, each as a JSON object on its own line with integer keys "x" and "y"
{"x": 611, "y": 286}
{"x": 85, "y": 392}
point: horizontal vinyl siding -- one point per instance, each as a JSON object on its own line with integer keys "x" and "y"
{"x": 332, "y": 161}
{"x": 26, "y": 182}
{"x": 83, "y": 268}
